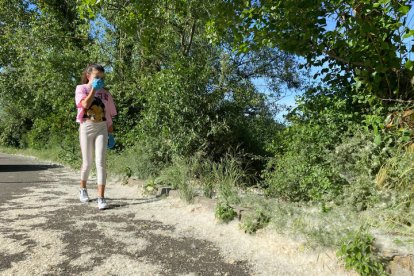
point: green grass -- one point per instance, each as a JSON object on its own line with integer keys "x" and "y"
{"x": 319, "y": 225}
{"x": 53, "y": 154}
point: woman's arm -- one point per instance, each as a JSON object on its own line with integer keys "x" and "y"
{"x": 110, "y": 129}
{"x": 86, "y": 103}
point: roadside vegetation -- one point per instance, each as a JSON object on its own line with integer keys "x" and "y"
{"x": 197, "y": 89}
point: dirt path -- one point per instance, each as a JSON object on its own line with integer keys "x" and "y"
{"x": 45, "y": 230}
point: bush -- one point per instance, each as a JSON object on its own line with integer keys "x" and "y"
{"x": 224, "y": 212}
{"x": 255, "y": 221}
{"x": 13, "y": 133}
{"x": 356, "y": 161}
{"x": 300, "y": 171}
{"x": 397, "y": 172}
{"x": 139, "y": 160}
{"x": 180, "y": 175}
{"x": 358, "y": 253}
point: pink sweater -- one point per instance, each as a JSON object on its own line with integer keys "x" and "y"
{"x": 81, "y": 93}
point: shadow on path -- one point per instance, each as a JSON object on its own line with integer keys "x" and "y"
{"x": 25, "y": 182}
{"x": 114, "y": 203}
{"x": 26, "y": 168}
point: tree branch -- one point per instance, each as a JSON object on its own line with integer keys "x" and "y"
{"x": 397, "y": 100}
{"x": 333, "y": 55}
{"x": 191, "y": 37}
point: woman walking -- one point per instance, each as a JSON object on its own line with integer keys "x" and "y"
{"x": 95, "y": 111}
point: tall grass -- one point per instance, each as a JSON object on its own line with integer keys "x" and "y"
{"x": 199, "y": 175}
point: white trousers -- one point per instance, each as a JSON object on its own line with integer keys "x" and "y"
{"x": 93, "y": 138}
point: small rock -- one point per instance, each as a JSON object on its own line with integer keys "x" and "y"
{"x": 402, "y": 266}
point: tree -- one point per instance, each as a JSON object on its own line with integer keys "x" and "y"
{"x": 357, "y": 42}
{"x": 189, "y": 92}
{"x": 40, "y": 66}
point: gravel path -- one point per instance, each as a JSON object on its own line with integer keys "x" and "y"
{"x": 45, "y": 230}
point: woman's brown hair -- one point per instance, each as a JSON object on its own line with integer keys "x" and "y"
{"x": 88, "y": 70}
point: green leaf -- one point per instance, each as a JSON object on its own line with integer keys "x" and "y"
{"x": 409, "y": 34}
{"x": 377, "y": 139}
{"x": 409, "y": 65}
{"x": 404, "y": 9}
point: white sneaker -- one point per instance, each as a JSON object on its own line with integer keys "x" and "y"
{"x": 102, "y": 203}
{"x": 83, "y": 195}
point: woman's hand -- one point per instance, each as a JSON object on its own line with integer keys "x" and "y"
{"x": 97, "y": 84}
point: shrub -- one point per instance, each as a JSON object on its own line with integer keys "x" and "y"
{"x": 139, "y": 160}
{"x": 255, "y": 221}
{"x": 180, "y": 175}
{"x": 356, "y": 161}
{"x": 224, "y": 212}
{"x": 300, "y": 171}
{"x": 397, "y": 172}
{"x": 358, "y": 253}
